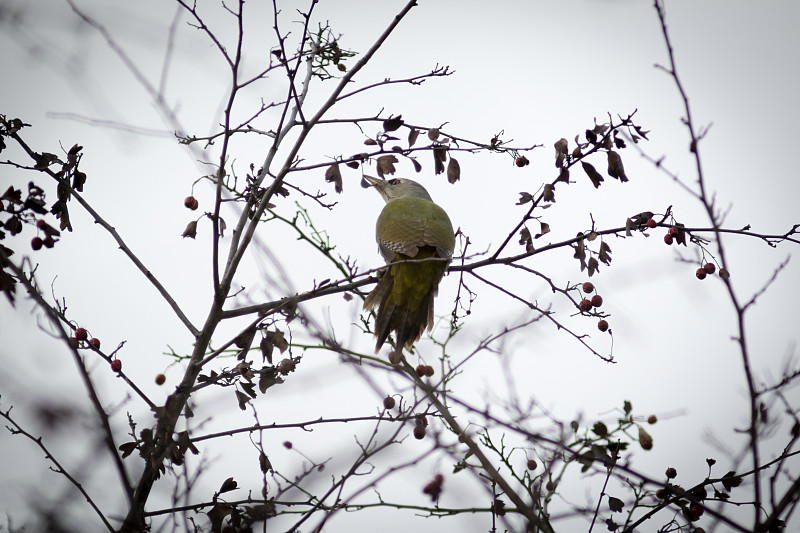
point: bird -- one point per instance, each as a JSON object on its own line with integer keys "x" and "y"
{"x": 416, "y": 239}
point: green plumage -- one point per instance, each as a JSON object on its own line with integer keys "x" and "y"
{"x": 416, "y": 239}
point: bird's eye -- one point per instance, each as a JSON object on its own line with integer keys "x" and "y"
{"x": 394, "y": 181}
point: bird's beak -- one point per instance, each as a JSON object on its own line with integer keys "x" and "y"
{"x": 369, "y": 181}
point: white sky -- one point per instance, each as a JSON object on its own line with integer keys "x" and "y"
{"x": 537, "y": 70}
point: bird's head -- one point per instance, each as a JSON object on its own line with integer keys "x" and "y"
{"x": 397, "y": 188}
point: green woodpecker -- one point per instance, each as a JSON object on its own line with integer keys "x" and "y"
{"x": 416, "y": 239}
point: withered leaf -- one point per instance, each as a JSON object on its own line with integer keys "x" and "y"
{"x": 244, "y": 339}
{"x": 268, "y": 379}
{"x": 393, "y": 123}
{"x": 592, "y": 235}
{"x": 352, "y": 164}
{"x": 563, "y": 175}
{"x": 417, "y": 165}
{"x": 438, "y": 164}
{"x": 731, "y": 480}
{"x": 222, "y": 226}
{"x": 249, "y": 388}
{"x": 278, "y": 339}
{"x": 592, "y": 266}
{"x": 561, "y": 151}
{"x": 228, "y": 485}
{"x": 386, "y": 165}
{"x": 266, "y": 347}
{"x": 524, "y": 198}
{"x": 334, "y": 175}
{"x": 263, "y": 463}
{"x": 191, "y": 230}
{"x": 127, "y": 448}
{"x": 545, "y": 229}
{"x": 453, "y": 171}
{"x": 549, "y": 193}
{"x": 412, "y": 136}
{"x": 524, "y": 236}
{"x": 371, "y": 142}
{"x": 243, "y": 399}
{"x": 433, "y": 134}
{"x": 615, "y": 168}
{"x": 593, "y": 174}
{"x": 78, "y": 181}
{"x": 605, "y": 253}
{"x": 615, "y": 504}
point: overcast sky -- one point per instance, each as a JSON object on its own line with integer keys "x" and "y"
{"x": 537, "y": 71}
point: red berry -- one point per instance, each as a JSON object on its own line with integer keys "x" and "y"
{"x": 95, "y": 343}
{"x": 420, "y": 370}
{"x": 116, "y": 365}
{"x": 428, "y": 370}
{"x": 419, "y": 432}
{"x": 550, "y": 485}
{"x": 522, "y": 161}
{"x": 49, "y": 241}
{"x": 671, "y": 473}
{"x": 287, "y": 444}
{"x": 710, "y": 268}
{"x": 668, "y": 238}
{"x": 585, "y": 305}
{"x": 36, "y": 243}
{"x": 438, "y": 479}
{"x": 73, "y": 342}
{"x": 651, "y": 223}
{"x": 673, "y": 230}
{"x": 388, "y": 402}
{"x": 588, "y": 287}
{"x": 41, "y": 223}
{"x": 602, "y": 325}
{"x": 161, "y": 379}
{"x": 532, "y": 464}
{"x": 660, "y": 493}
{"x": 701, "y": 273}
{"x": 422, "y": 420}
{"x": 81, "y": 334}
{"x": 597, "y": 300}
{"x": 191, "y": 203}
{"x": 724, "y": 274}
{"x": 652, "y": 419}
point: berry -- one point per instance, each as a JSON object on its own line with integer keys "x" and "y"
{"x": 550, "y": 485}
{"x": 41, "y": 223}
{"x": 428, "y": 370}
{"x": 671, "y": 473}
{"x": 95, "y": 343}
{"x": 422, "y": 420}
{"x": 419, "y": 432}
{"x": 522, "y": 161}
{"x": 532, "y": 464}
{"x": 161, "y": 379}
{"x": 709, "y": 268}
{"x": 191, "y": 203}
{"x": 81, "y": 334}
{"x": 660, "y": 494}
{"x": 73, "y": 342}
{"x": 602, "y": 325}
{"x": 673, "y": 231}
{"x": 724, "y": 274}
{"x": 116, "y": 365}
{"x": 668, "y": 238}
{"x": 585, "y": 305}
{"x": 588, "y": 287}
{"x": 388, "y": 402}
{"x": 49, "y": 242}
{"x": 701, "y": 273}
{"x": 651, "y": 223}
{"x": 287, "y": 444}
{"x": 652, "y": 419}
{"x": 420, "y": 370}
{"x": 597, "y": 300}
{"x": 36, "y": 243}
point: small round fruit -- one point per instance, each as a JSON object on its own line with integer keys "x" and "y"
{"x": 419, "y": 432}
{"x": 668, "y": 238}
{"x": 550, "y": 485}
{"x": 660, "y": 494}
{"x": 36, "y": 243}
{"x": 522, "y": 161}
{"x": 585, "y": 305}
{"x": 116, "y": 365}
{"x": 532, "y": 464}
{"x": 710, "y": 268}
{"x": 673, "y": 231}
{"x": 588, "y": 287}
{"x": 73, "y": 342}
{"x": 388, "y": 402}
{"x": 651, "y": 223}
{"x": 701, "y": 273}
{"x": 95, "y": 343}
{"x": 161, "y": 379}
{"x": 191, "y": 203}
{"x": 287, "y": 444}
{"x": 652, "y": 419}
{"x": 597, "y": 300}
{"x": 81, "y": 334}
{"x": 49, "y": 241}
{"x": 724, "y": 274}
{"x": 671, "y": 473}
{"x": 602, "y": 325}
{"x": 420, "y": 370}
{"x": 41, "y": 223}
{"x": 429, "y": 371}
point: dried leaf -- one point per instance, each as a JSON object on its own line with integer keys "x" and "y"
{"x": 412, "y": 136}
{"x": 549, "y": 193}
{"x": 563, "y": 175}
{"x": 592, "y": 235}
{"x": 278, "y": 339}
{"x": 593, "y": 174}
{"x": 386, "y": 165}
{"x": 561, "y": 151}
{"x": 243, "y": 399}
{"x": 266, "y": 347}
{"x": 228, "y": 485}
{"x": 222, "y": 227}
{"x": 545, "y": 229}
{"x": 524, "y": 198}
{"x": 393, "y": 123}
{"x": 592, "y": 266}
{"x": 191, "y": 230}
{"x": 352, "y": 164}
{"x": 524, "y": 236}
{"x": 438, "y": 164}
{"x": 264, "y": 464}
{"x": 615, "y": 504}
{"x": 78, "y": 181}
{"x": 433, "y": 134}
{"x": 371, "y": 142}
{"x": 268, "y": 379}
{"x": 334, "y": 175}
{"x": 615, "y": 168}
{"x": 453, "y": 171}
{"x": 417, "y": 165}
{"x": 605, "y": 253}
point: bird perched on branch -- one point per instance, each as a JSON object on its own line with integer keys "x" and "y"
{"x": 416, "y": 239}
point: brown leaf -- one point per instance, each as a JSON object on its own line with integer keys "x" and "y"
{"x": 593, "y": 174}
{"x": 393, "y": 123}
{"x": 545, "y": 229}
{"x": 615, "y": 168}
{"x": 561, "y": 152}
{"x": 524, "y": 236}
{"x": 605, "y": 253}
{"x": 334, "y": 175}
{"x": 228, "y": 485}
{"x": 615, "y": 504}
{"x": 433, "y": 134}
{"x": 278, "y": 339}
{"x": 386, "y": 165}
{"x": 243, "y": 399}
{"x": 549, "y": 193}
{"x": 264, "y": 464}
{"x": 266, "y": 347}
{"x": 417, "y": 165}
{"x": 268, "y": 379}
{"x": 524, "y": 198}
{"x": 592, "y": 266}
{"x": 191, "y": 230}
{"x": 412, "y": 136}
{"x": 453, "y": 171}
{"x": 563, "y": 175}
{"x": 371, "y": 142}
